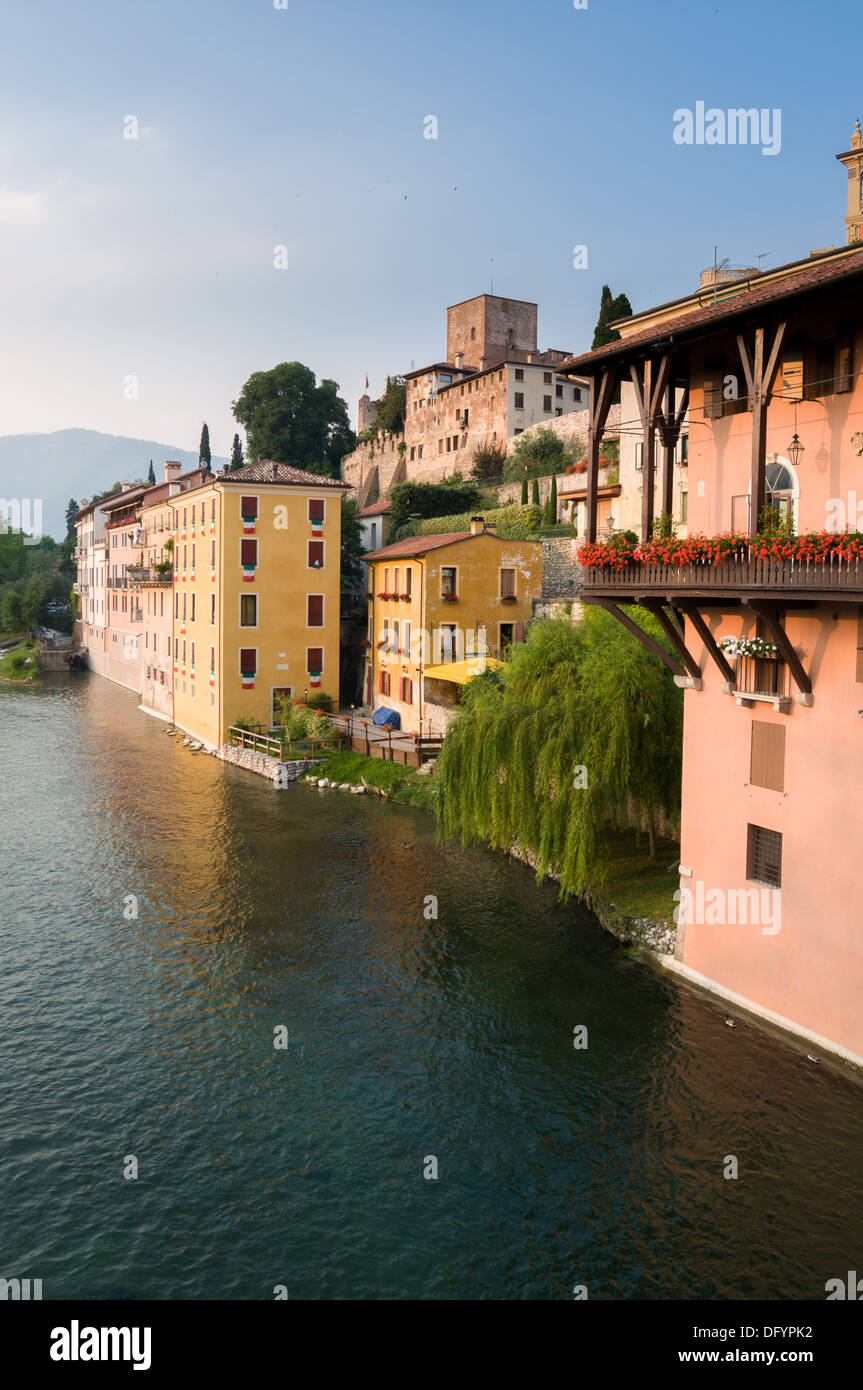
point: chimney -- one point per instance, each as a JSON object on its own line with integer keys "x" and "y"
{"x": 459, "y": 360}
{"x": 82, "y": 504}
{"x": 172, "y": 470}
{"x": 483, "y": 363}
{"x": 124, "y": 487}
{"x": 477, "y": 525}
{"x": 530, "y": 357}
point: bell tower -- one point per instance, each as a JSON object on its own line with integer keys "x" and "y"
{"x": 853, "y": 161}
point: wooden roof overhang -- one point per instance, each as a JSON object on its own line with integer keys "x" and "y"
{"x": 657, "y": 359}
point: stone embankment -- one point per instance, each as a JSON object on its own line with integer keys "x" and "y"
{"x": 264, "y": 766}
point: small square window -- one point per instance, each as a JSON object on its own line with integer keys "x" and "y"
{"x": 764, "y": 856}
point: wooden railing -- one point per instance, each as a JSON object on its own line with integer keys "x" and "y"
{"x": 750, "y": 574}
{"x": 258, "y": 743}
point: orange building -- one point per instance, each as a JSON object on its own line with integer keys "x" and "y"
{"x": 256, "y": 586}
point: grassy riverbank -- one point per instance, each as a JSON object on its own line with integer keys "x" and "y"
{"x": 634, "y": 887}
{"x": 14, "y": 664}
{"x": 402, "y": 783}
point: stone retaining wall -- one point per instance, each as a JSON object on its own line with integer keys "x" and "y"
{"x": 264, "y": 765}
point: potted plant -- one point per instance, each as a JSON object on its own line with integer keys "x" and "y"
{"x": 450, "y": 598}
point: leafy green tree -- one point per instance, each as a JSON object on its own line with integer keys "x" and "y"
{"x": 583, "y": 730}
{"x": 610, "y": 309}
{"x": 431, "y": 499}
{"x": 71, "y": 512}
{"x": 488, "y": 461}
{"x": 151, "y": 475}
{"x": 352, "y": 547}
{"x": 391, "y": 408}
{"x": 205, "y": 458}
{"x": 11, "y": 613}
{"x": 289, "y": 417}
{"x": 236, "y": 454}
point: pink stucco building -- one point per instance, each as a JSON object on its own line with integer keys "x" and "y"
{"x": 772, "y": 819}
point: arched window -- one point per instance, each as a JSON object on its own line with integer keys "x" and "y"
{"x": 779, "y": 482}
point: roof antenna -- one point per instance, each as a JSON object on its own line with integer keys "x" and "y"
{"x": 762, "y": 256}
{"x": 491, "y": 290}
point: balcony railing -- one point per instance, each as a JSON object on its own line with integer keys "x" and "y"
{"x": 804, "y": 578}
{"x": 119, "y": 583}
{"x": 149, "y": 575}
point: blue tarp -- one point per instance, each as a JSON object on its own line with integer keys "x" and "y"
{"x": 387, "y": 718}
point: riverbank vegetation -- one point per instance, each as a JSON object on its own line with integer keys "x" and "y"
{"x": 579, "y": 735}
{"x": 403, "y": 784}
{"x": 20, "y": 664}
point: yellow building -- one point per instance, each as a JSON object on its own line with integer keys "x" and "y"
{"x": 153, "y": 577}
{"x": 255, "y": 595}
{"x": 440, "y": 609}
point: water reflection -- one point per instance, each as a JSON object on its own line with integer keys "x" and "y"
{"x": 258, "y": 908}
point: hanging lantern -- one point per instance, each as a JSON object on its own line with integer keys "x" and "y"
{"x": 794, "y": 450}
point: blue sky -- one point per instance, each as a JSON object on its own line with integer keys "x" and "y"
{"x": 304, "y": 127}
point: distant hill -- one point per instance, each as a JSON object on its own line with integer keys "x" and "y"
{"x": 79, "y": 463}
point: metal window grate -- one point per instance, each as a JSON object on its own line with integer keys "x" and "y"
{"x": 764, "y": 856}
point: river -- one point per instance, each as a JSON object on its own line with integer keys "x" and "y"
{"x": 150, "y": 1037}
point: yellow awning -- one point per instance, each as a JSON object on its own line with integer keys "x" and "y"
{"x": 460, "y": 672}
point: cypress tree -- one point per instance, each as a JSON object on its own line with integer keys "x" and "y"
{"x": 534, "y": 492}
{"x": 236, "y": 454}
{"x": 151, "y": 476}
{"x": 524, "y": 492}
{"x": 552, "y": 501}
{"x": 204, "y": 456}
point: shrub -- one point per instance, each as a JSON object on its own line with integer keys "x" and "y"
{"x": 488, "y": 461}
{"x": 430, "y": 499}
{"x": 513, "y": 522}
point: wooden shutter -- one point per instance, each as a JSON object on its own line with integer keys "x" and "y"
{"x": 860, "y": 644}
{"x": 249, "y": 507}
{"x": 316, "y": 554}
{"x": 248, "y": 661}
{"x": 507, "y": 583}
{"x": 316, "y": 509}
{"x": 408, "y": 578}
{"x": 792, "y": 370}
{"x": 316, "y": 610}
{"x": 518, "y": 632}
{"x": 767, "y": 757}
{"x": 713, "y": 370}
{"x": 248, "y": 552}
{"x": 315, "y": 659}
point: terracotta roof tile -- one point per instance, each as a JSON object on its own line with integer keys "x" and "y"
{"x": 266, "y": 471}
{"x": 822, "y": 273}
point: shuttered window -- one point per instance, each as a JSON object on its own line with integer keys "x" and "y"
{"x": 315, "y": 659}
{"x": 507, "y": 583}
{"x": 248, "y": 552}
{"x": 316, "y": 610}
{"x": 767, "y": 758}
{"x": 249, "y": 508}
{"x": 316, "y": 509}
{"x": 860, "y": 644}
{"x": 408, "y": 580}
{"x": 316, "y": 554}
{"x": 764, "y": 856}
{"x": 406, "y": 692}
{"x": 248, "y": 661}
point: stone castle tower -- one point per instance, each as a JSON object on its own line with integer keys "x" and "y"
{"x": 853, "y": 161}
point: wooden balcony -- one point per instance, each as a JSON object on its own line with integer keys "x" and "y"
{"x": 731, "y": 581}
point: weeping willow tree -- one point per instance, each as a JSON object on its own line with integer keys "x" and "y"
{"x": 582, "y": 729}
